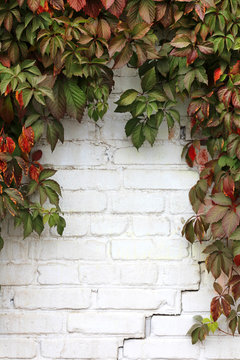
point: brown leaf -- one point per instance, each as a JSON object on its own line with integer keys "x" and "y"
{"x": 33, "y": 4}
{"x": 216, "y": 308}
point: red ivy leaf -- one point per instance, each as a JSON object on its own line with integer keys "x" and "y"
{"x": 216, "y": 308}
{"x": 37, "y": 155}
{"x": 77, "y": 4}
{"x": 93, "y": 7}
{"x": 229, "y": 186}
{"x": 192, "y": 153}
{"x": 236, "y": 259}
{"x": 107, "y": 3}
{"x": 117, "y": 7}
{"x": 217, "y": 74}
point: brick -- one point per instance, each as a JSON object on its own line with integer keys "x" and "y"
{"x": 171, "y": 325}
{"x": 181, "y": 275}
{"x": 160, "y": 349}
{"x": 83, "y": 201}
{"x": 76, "y": 225}
{"x": 11, "y": 348}
{"x": 123, "y": 83}
{"x": 164, "y": 301}
{"x": 52, "y": 274}
{"x": 197, "y": 300}
{"x": 107, "y": 323}
{"x": 149, "y": 249}
{"x": 137, "y": 202}
{"x": 14, "y": 250}
{"x": 17, "y": 274}
{"x": 30, "y": 323}
{"x": 78, "y": 154}
{"x": 89, "y": 179}
{"x": 151, "y": 225}
{"x": 80, "y": 348}
{"x": 113, "y": 126}
{"x": 160, "y": 154}
{"x": 222, "y": 348}
{"x": 164, "y": 179}
{"x": 108, "y": 224}
{"x": 197, "y": 250}
{"x": 75, "y": 131}
{"x": 99, "y": 274}
{"x": 65, "y": 298}
{"x": 68, "y": 249}
{"x": 179, "y": 203}
{"x": 138, "y": 274}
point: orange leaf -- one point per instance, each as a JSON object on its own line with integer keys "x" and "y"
{"x": 19, "y": 98}
{"x": 217, "y": 74}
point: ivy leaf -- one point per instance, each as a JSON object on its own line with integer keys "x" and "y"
{"x": 77, "y": 4}
{"x": 130, "y": 126}
{"x": 33, "y": 4}
{"x": 147, "y": 10}
{"x": 230, "y": 222}
{"x": 216, "y": 213}
{"x": 27, "y": 225}
{"x": 123, "y": 57}
{"x": 137, "y": 136}
{"x": 46, "y": 173}
{"x": 150, "y": 134}
{"x": 149, "y": 79}
{"x": 75, "y": 99}
{"x": 127, "y": 97}
{"x": 38, "y": 225}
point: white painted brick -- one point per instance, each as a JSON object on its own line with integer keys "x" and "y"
{"x": 222, "y": 348}
{"x": 197, "y": 250}
{"x": 99, "y": 274}
{"x": 70, "y": 153}
{"x": 13, "y": 274}
{"x": 138, "y": 274}
{"x": 125, "y": 71}
{"x": 113, "y": 126}
{"x": 179, "y": 202}
{"x": 65, "y": 298}
{"x": 148, "y": 249}
{"x": 108, "y": 224}
{"x": 88, "y": 179}
{"x": 14, "y": 250}
{"x": 160, "y": 179}
{"x": 153, "y": 348}
{"x": 107, "y": 323}
{"x": 181, "y": 275}
{"x": 76, "y": 225}
{"x": 83, "y": 201}
{"x": 67, "y": 249}
{"x": 137, "y": 202}
{"x": 197, "y": 300}
{"x": 151, "y": 225}
{"x": 75, "y": 131}
{"x": 171, "y": 325}
{"x": 11, "y": 348}
{"x": 123, "y": 83}
{"x": 167, "y": 153}
{"x": 80, "y": 348}
{"x": 163, "y": 301}
{"x": 52, "y": 274}
{"x": 30, "y": 323}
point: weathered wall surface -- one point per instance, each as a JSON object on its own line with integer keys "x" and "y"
{"x": 121, "y": 283}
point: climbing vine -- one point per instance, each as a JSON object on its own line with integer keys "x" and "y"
{"x": 55, "y": 60}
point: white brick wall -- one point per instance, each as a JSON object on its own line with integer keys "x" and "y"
{"x": 121, "y": 259}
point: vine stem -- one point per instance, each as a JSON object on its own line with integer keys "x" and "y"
{"x": 225, "y": 332}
